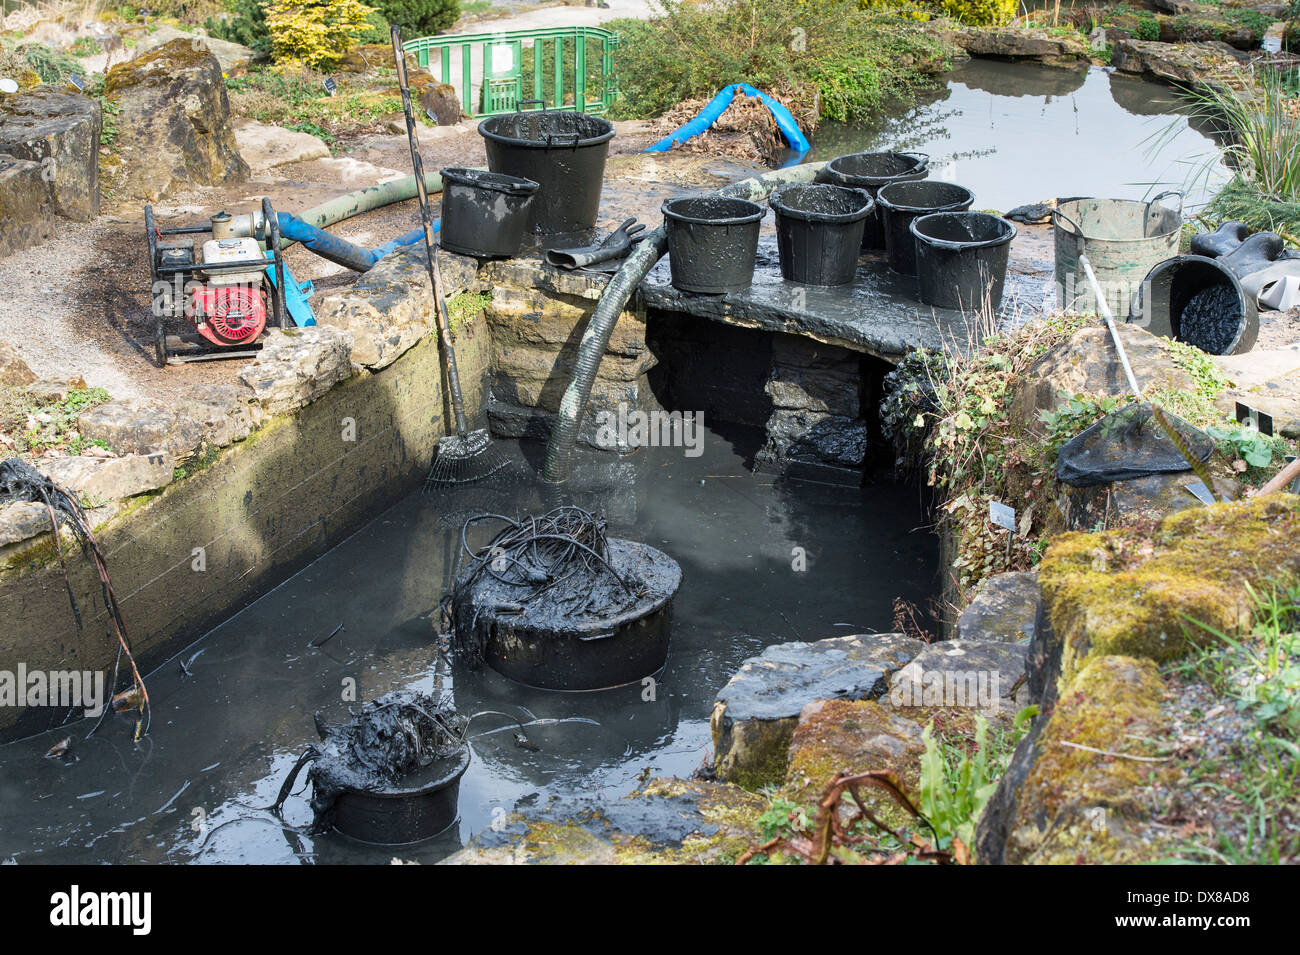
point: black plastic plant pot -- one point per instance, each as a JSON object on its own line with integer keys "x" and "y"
{"x": 901, "y": 202}
{"x": 819, "y": 231}
{"x": 485, "y": 214}
{"x": 712, "y": 242}
{"x": 1199, "y": 301}
{"x": 394, "y": 817}
{"x": 961, "y": 259}
{"x": 576, "y": 650}
{"x": 563, "y": 152}
{"x": 870, "y": 171}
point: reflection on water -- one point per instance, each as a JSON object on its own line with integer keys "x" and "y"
{"x": 226, "y": 733}
{"x": 1017, "y": 133}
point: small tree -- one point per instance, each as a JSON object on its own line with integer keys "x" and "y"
{"x": 315, "y": 33}
{"x": 420, "y": 17}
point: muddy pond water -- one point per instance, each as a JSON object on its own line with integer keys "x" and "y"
{"x": 225, "y": 736}
{"x": 1017, "y": 133}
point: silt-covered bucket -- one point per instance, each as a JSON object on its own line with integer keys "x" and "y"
{"x": 1124, "y": 239}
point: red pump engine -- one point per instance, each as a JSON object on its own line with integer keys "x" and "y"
{"x": 230, "y": 308}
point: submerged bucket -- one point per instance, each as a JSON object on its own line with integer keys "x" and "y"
{"x": 1124, "y": 239}
{"x": 399, "y": 816}
{"x": 901, "y": 202}
{"x": 961, "y": 258}
{"x": 563, "y": 152}
{"x": 485, "y": 213}
{"x": 819, "y": 231}
{"x": 712, "y": 242}
{"x": 1200, "y": 301}
{"x": 870, "y": 171}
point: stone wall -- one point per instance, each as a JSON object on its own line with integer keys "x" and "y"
{"x": 186, "y": 557}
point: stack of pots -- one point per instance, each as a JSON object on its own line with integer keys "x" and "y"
{"x": 871, "y": 171}
{"x": 564, "y": 153}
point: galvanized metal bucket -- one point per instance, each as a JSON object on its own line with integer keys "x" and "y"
{"x": 1124, "y": 238}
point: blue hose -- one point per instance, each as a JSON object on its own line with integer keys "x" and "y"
{"x": 341, "y": 251}
{"x": 718, "y": 105}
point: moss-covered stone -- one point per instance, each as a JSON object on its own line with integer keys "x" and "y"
{"x": 1122, "y": 592}
{"x": 855, "y": 736}
{"x": 1080, "y": 802}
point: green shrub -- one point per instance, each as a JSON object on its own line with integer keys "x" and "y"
{"x": 833, "y": 53}
{"x": 314, "y": 33}
{"x": 246, "y": 24}
{"x": 420, "y": 17}
{"x": 377, "y": 29}
{"x": 980, "y": 12}
{"x": 49, "y": 64}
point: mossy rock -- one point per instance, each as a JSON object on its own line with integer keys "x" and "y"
{"x": 855, "y": 736}
{"x": 1123, "y": 592}
{"x": 1080, "y": 805}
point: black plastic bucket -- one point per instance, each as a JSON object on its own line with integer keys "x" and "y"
{"x": 870, "y": 171}
{"x": 819, "y": 231}
{"x": 393, "y": 817}
{"x": 712, "y": 242}
{"x": 1200, "y": 301}
{"x": 901, "y": 202}
{"x": 961, "y": 258}
{"x": 563, "y": 152}
{"x": 484, "y": 213}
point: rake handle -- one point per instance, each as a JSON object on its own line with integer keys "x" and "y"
{"x": 430, "y": 247}
{"x": 1104, "y": 308}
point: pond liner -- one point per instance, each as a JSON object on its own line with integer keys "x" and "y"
{"x": 1128, "y": 444}
{"x": 712, "y": 242}
{"x": 961, "y": 259}
{"x": 564, "y": 153}
{"x": 819, "y": 231}
{"x": 870, "y": 171}
{"x": 485, "y": 214}
{"x": 551, "y": 603}
{"x": 715, "y": 107}
{"x": 901, "y": 202}
{"x": 1199, "y": 301}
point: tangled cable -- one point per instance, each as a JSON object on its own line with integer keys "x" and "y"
{"x": 19, "y": 481}
{"x": 540, "y": 553}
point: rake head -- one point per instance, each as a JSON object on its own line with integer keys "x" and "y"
{"x": 464, "y": 459}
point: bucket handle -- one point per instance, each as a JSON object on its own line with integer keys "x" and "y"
{"x": 923, "y": 157}
{"x": 1078, "y": 229}
{"x": 520, "y": 104}
{"x": 1163, "y": 195}
{"x": 552, "y": 137}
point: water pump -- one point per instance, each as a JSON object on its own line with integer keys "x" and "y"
{"x": 222, "y": 288}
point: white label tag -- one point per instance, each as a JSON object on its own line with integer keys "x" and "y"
{"x": 1002, "y": 516}
{"x": 503, "y": 58}
{"x": 1200, "y": 491}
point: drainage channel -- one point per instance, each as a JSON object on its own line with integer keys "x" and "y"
{"x": 763, "y": 561}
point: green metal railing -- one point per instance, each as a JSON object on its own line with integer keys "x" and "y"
{"x": 562, "y": 66}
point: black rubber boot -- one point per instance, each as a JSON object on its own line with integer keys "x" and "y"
{"x": 1221, "y": 241}
{"x": 1255, "y": 253}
